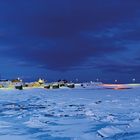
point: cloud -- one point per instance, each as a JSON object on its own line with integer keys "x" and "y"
{"x": 54, "y": 33}
{"x": 69, "y": 18}
{"x": 62, "y": 55}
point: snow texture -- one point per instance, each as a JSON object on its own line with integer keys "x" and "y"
{"x": 70, "y": 114}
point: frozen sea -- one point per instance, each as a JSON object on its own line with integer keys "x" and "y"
{"x": 70, "y": 114}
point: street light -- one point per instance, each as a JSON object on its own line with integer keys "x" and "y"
{"x": 134, "y": 80}
{"x": 77, "y": 80}
{"x": 97, "y": 79}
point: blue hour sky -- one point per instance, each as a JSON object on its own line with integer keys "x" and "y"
{"x": 68, "y": 39}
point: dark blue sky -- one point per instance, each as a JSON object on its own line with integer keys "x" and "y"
{"x": 85, "y": 39}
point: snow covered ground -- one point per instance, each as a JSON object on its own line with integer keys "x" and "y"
{"x": 70, "y": 114}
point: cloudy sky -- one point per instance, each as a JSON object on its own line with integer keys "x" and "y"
{"x": 84, "y": 39}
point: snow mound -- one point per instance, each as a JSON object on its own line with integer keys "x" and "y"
{"x": 109, "y": 131}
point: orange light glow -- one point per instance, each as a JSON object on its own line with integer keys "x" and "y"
{"x": 115, "y": 86}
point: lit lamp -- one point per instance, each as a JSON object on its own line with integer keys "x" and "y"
{"x": 134, "y": 80}
{"x": 40, "y": 81}
{"x": 77, "y": 80}
{"x": 97, "y": 79}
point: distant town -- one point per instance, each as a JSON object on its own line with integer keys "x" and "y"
{"x": 19, "y": 84}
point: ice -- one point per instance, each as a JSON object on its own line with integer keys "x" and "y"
{"x": 70, "y": 114}
{"x": 4, "y": 124}
{"x": 9, "y": 137}
{"x": 109, "y": 131}
{"x": 89, "y": 137}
